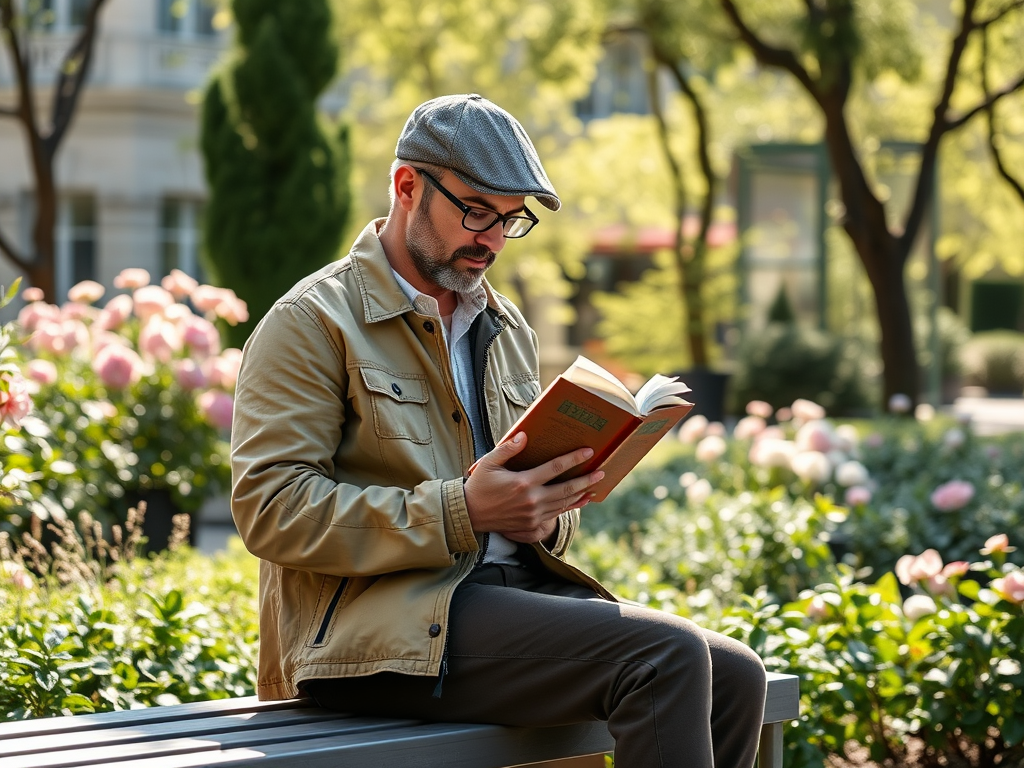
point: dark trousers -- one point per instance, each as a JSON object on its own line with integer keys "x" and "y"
{"x": 526, "y": 648}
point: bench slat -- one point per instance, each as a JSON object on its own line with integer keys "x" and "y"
{"x": 425, "y": 746}
{"x": 167, "y": 729}
{"x": 60, "y": 725}
{"x": 782, "y": 701}
{"x": 356, "y": 727}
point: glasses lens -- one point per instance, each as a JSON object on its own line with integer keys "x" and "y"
{"x": 477, "y": 220}
{"x": 517, "y": 227}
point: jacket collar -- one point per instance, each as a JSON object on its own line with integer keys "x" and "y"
{"x": 382, "y": 296}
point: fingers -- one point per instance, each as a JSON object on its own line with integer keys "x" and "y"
{"x": 552, "y": 469}
{"x": 506, "y": 450}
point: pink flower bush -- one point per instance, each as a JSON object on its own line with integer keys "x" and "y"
{"x": 179, "y": 284}
{"x": 86, "y": 292}
{"x": 41, "y": 371}
{"x": 951, "y": 496}
{"x": 911, "y": 569}
{"x": 1010, "y": 587}
{"x": 857, "y": 496}
{"x": 998, "y": 543}
{"x": 15, "y": 402}
{"x": 760, "y": 408}
{"x": 118, "y": 366}
{"x": 918, "y": 606}
{"x": 693, "y": 428}
{"x": 748, "y": 427}
{"x": 117, "y": 311}
{"x": 811, "y": 467}
{"x": 218, "y": 407}
{"x": 131, "y": 278}
{"x": 851, "y": 473}
{"x": 710, "y": 448}
{"x": 807, "y": 410}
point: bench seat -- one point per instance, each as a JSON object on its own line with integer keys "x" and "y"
{"x": 247, "y": 732}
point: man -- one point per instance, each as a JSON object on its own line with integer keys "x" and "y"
{"x": 392, "y": 584}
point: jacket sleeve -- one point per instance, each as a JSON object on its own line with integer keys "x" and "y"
{"x": 288, "y": 423}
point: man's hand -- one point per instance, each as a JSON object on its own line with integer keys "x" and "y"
{"x": 519, "y": 505}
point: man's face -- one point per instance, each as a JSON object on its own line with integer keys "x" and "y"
{"x": 442, "y": 250}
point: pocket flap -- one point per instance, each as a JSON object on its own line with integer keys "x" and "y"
{"x": 521, "y": 393}
{"x": 403, "y": 387}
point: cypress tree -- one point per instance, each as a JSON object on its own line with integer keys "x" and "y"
{"x": 277, "y": 170}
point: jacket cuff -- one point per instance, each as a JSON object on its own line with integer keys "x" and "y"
{"x": 458, "y": 531}
{"x": 567, "y": 523}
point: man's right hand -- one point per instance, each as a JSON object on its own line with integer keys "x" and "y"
{"x": 519, "y": 504}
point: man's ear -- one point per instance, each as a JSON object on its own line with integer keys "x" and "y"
{"x": 406, "y": 183}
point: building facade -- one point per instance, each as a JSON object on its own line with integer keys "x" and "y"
{"x": 129, "y": 171}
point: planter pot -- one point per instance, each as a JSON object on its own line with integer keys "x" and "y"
{"x": 708, "y": 390}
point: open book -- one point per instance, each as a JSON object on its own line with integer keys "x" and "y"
{"x": 586, "y": 406}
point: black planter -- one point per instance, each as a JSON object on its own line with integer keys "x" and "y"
{"x": 707, "y": 391}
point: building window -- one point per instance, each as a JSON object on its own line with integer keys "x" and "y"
{"x": 75, "y": 251}
{"x": 186, "y": 18}
{"x": 180, "y": 236}
{"x": 58, "y": 15}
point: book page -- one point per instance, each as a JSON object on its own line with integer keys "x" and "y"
{"x": 659, "y": 392}
{"x": 593, "y": 378}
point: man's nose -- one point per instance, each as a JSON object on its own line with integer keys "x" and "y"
{"x": 493, "y": 239}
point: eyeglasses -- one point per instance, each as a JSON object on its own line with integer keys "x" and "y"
{"x": 481, "y": 219}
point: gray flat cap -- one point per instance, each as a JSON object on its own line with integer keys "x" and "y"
{"x": 480, "y": 143}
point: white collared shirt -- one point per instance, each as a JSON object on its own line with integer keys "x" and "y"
{"x": 470, "y": 305}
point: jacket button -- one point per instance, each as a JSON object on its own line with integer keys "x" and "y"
{"x": 428, "y": 327}
{"x": 457, "y": 416}
{"x": 435, "y": 630}
{"x": 396, "y": 389}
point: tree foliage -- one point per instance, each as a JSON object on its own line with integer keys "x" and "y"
{"x": 278, "y": 171}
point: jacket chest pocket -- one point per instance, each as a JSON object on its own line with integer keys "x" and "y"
{"x": 399, "y": 403}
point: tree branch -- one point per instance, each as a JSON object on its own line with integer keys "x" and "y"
{"x": 8, "y": 112}
{"x": 73, "y": 71}
{"x": 7, "y": 247}
{"x": 990, "y": 113}
{"x": 986, "y": 23}
{"x": 25, "y": 110}
{"x": 926, "y": 173}
{"x": 700, "y": 115}
{"x": 987, "y": 104}
{"x": 768, "y": 54}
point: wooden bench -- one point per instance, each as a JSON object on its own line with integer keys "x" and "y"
{"x": 247, "y": 732}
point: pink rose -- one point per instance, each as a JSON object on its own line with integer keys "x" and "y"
{"x": 811, "y": 467}
{"x": 17, "y": 575}
{"x": 748, "y": 427}
{"x": 217, "y": 408}
{"x": 189, "y": 375}
{"x": 911, "y": 569}
{"x": 233, "y": 310}
{"x": 31, "y": 315}
{"x": 114, "y": 314}
{"x": 918, "y": 606}
{"x": 998, "y": 543}
{"x": 815, "y": 436}
{"x": 33, "y": 294}
{"x": 179, "y": 284}
{"x": 59, "y": 337}
{"x": 760, "y": 408}
{"x": 206, "y": 298}
{"x": 857, "y": 496}
{"x": 222, "y": 371}
{"x": 131, "y": 278}
{"x": 693, "y": 429}
{"x": 15, "y": 402}
{"x": 956, "y": 569}
{"x": 74, "y": 310}
{"x": 771, "y": 452}
{"x": 1010, "y": 587}
{"x": 160, "y": 339}
{"x": 817, "y": 609}
{"x": 117, "y": 366}
{"x": 42, "y": 371}
{"x": 807, "y": 410}
{"x": 151, "y": 300}
{"x": 201, "y": 336}
{"x": 783, "y": 414}
{"x": 86, "y": 292}
{"x": 951, "y": 496}
{"x": 710, "y": 448}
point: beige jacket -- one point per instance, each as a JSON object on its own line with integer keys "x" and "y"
{"x": 349, "y": 446}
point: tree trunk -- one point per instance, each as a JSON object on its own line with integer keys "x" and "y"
{"x": 42, "y": 269}
{"x": 883, "y": 255}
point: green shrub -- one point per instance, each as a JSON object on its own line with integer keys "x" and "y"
{"x": 89, "y": 627}
{"x": 786, "y": 361}
{"x": 995, "y": 360}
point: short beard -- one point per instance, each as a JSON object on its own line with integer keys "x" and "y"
{"x": 445, "y": 274}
